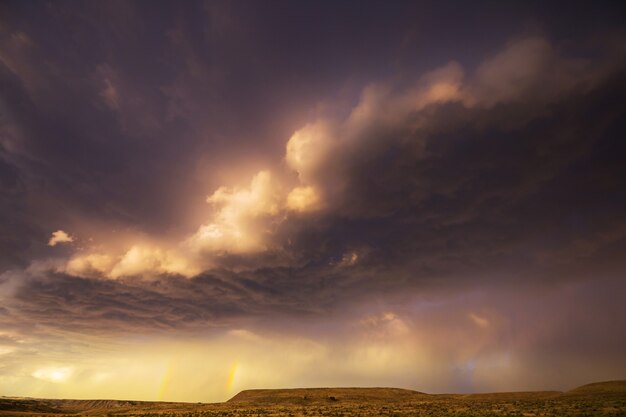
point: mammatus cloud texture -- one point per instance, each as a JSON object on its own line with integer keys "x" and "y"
{"x": 178, "y": 206}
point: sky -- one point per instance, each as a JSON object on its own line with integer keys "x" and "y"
{"x": 198, "y": 198}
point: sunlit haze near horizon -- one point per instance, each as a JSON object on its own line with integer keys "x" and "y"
{"x": 198, "y": 198}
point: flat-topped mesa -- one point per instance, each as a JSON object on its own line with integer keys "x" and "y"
{"x": 328, "y": 395}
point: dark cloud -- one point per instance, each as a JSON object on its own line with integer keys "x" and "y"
{"x": 52, "y": 301}
{"x": 528, "y": 188}
{"x": 109, "y": 104}
{"x": 515, "y": 189}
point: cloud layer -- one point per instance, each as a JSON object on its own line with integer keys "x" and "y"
{"x": 399, "y": 136}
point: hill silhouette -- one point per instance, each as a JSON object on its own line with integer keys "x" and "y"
{"x": 600, "y": 398}
{"x": 600, "y": 388}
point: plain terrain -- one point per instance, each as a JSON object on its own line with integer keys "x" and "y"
{"x": 598, "y": 399}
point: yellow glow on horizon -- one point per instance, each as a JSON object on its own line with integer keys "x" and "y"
{"x": 53, "y": 374}
{"x": 382, "y": 347}
{"x": 6, "y": 349}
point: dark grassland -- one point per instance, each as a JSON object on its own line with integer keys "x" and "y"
{"x": 600, "y": 399}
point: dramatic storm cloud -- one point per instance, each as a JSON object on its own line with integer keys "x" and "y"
{"x": 207, "y": 197}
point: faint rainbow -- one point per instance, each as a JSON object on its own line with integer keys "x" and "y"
{"x": 232, "y": 377}
{"x": 165, "y": 380}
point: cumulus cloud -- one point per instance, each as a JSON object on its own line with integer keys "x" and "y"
{"x": 303, "y": 198}
{"x": 59, "y": 237}
{"x": 308, "y": 147}
{"x": 239, "y": 223}
{"x": 330, "y": 154}
{"x": 140, "y": 260}
{"x": 90, "y": 264}
{"x": 240, "y": 220}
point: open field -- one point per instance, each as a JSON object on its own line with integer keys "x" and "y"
{"x": 599, "y": 399}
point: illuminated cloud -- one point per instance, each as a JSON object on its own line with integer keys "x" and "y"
{"x": 341, "y": 165}
{"x": 308, "y": 147}
{"x": 328, "y": 153}
{"x": 139, "y": 260}
{"x": 93, "y": 264}
{"x": 381, "y": 106}
{"x": 59, "y": 237}
{"x": 142, "y": 260}
{"x": 303, "y": 199}
{"x": 239, "y": 222}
